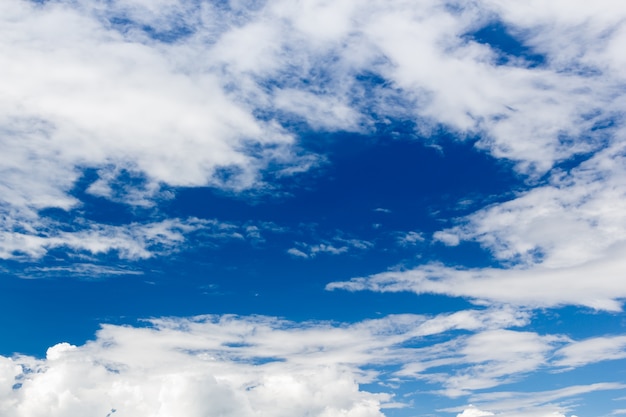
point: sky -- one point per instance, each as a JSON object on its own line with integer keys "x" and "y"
{"x": 282, "y": 208}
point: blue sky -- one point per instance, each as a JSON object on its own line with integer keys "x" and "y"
{"x": 312, "y": 208}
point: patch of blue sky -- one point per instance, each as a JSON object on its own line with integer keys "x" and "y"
{"x": 508, "y": 44}
{"x": 173, "y": 29}
{"x": 578, "y": 323}
{"x": 419, "y": 188}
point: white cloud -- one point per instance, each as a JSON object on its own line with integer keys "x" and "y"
{"x": 576, "y": 218}
{"x": 562, "y": 243}
{"x": 297, "y": 252}
{"x": 488, "y": 359}
{"x": 263, "y": 365}
{"x": 268, "y": 366}
{"x": 133, "y": 241}
{"x": 78, "y": 94}
{"x": 474, "y": 412}
{"x": 410, "y": 238}
{"x": 87, "y": 270}
{"x": 592, "y": 350}
{"x": 541, "y": 403}
{"x": 86, "y": 87}
{"x": 231, "y": 366}
{"x": 336, "y": 246}
{"x": 536, "y": 412}
{"x": 533, "y": 287}
{"x": 130, "y": 241}
{"x": 447, "y": 238}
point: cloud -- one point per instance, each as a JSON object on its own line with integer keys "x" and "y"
{"x": 447, "y": 238}
{"x": 86, "y": 270}
{"x": 194, "y": 94}
{"x": 474, "y": 412}
{"x": 533, "y": 287}
{"x": 487, "y": 359}
{"x": 133, "y": 241}
{"x": 562, "y": 243}
{"x": 592, "y": 350}
{"x": 536, "y": 412}
{"x": 297, "y": 252}
{"x": 542, "y": 403}
{"x": 149, "y": 96}
{"x": 336, "y": 246}
{"x": 79, "y": 94}
{"x": 579, "y": 216}
{"x": 227, "y": 365}
{"x": 410, "y": 239}
{"x": 249, "y": 365}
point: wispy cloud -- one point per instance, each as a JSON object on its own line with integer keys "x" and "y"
{"x": 551, "y": 240}
{"x": 533, "y": 287}
{"x": 410, "y": 238}
{"x": 592, "y": 350}
{"x": 533, "y": 403}
{"x": 335, "y": 246}
{"x": 87, "y": 270}
{"x": 183, "y": 94}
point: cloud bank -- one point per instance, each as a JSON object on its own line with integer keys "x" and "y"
{"x": 264, "y": 366}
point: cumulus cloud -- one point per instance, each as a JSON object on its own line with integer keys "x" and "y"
{"x": 474, "y": 412}
{"x": 231, "y": 366}
{"x": 253, "y": 366}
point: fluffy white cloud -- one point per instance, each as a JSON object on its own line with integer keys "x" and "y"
{"x": 474, "y": 412}
{"x": 229, "y": 366}
{"x": 193, "y": 94}
{"x": 264, "y": 366}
